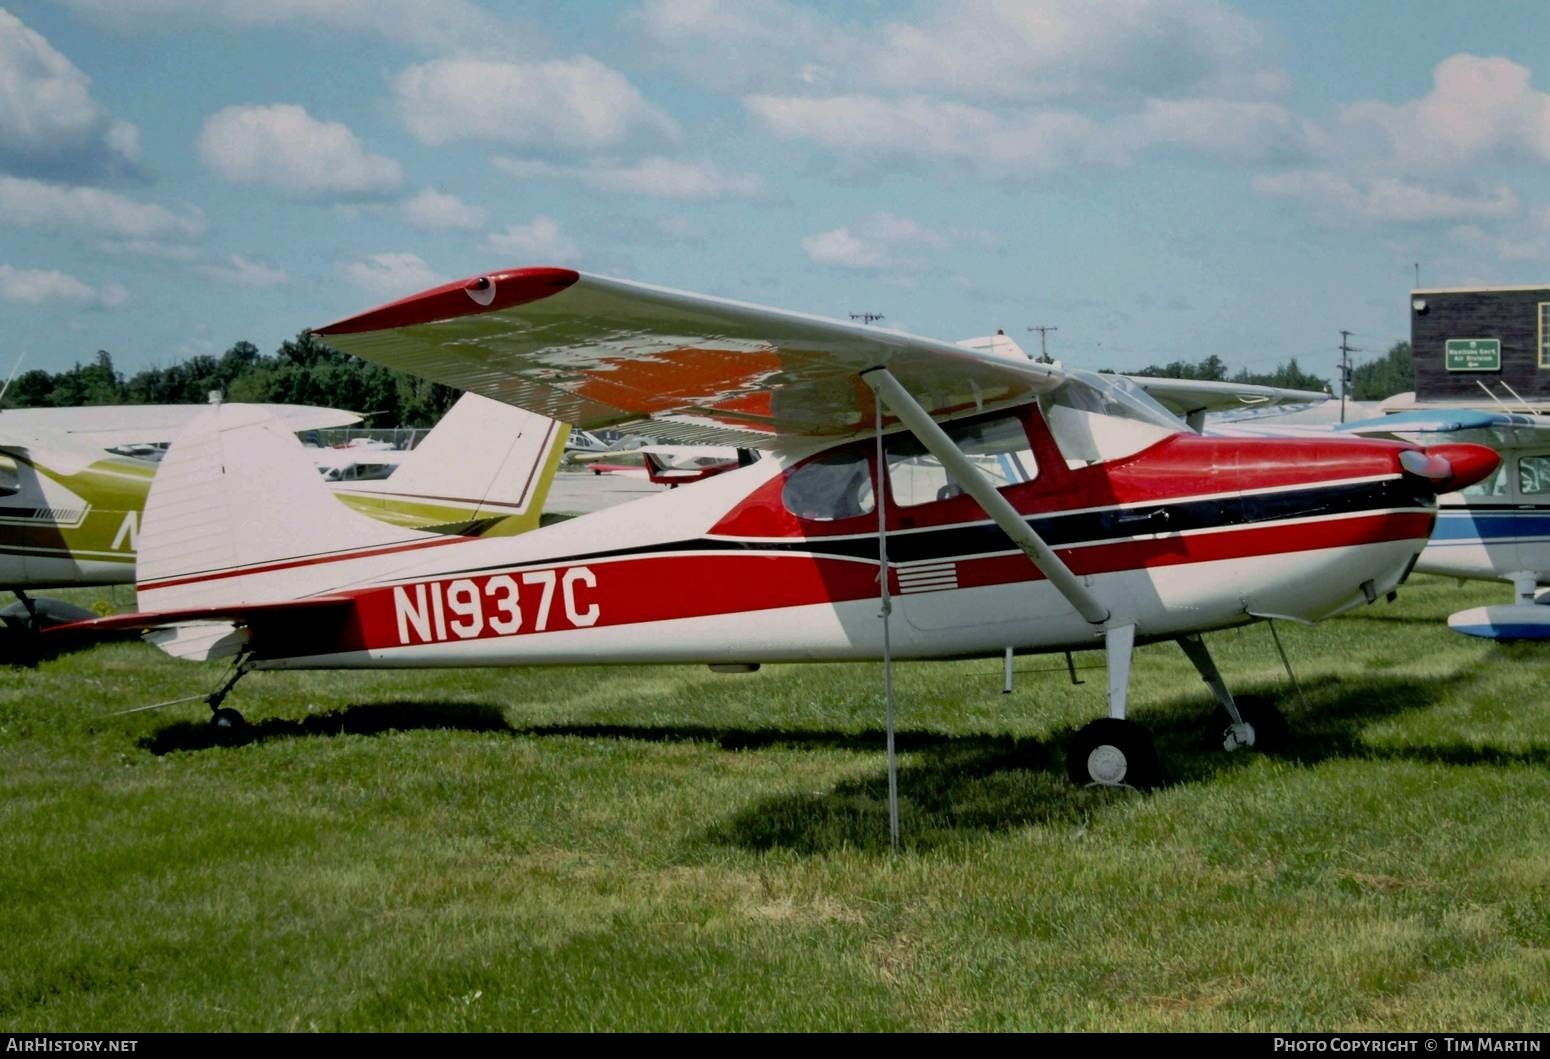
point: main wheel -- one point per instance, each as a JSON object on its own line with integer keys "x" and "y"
{"x": 227, "y": 719}
{"x": 1113, "y": 753}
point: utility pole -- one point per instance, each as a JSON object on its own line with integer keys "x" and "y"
{"x": 1346, "y": 349}
{"x": 1043, "y": 330}
{"x": 867, "y": 318}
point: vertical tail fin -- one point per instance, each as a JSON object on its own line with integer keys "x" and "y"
{"x": 486, "y": 468}
{"x": 237, "y": 513}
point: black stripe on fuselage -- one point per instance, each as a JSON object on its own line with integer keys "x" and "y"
{"x": 1103, "y": 526}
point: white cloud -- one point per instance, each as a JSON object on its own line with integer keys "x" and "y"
{"x": 882, "y": 241}
{"x": 93, "y": 212}
{"x": 49, "y": 122}
{"x": 245, "y": 272}
{"x": 284, "y": 147}
{"x": 870, "y": 131}
{"x": 389, "y": 276}
{"x": 426, "y": 25}
{"x": 575, "y": 104}
{"x": 1335, "y": 198}
{"x": 1245, "y": 132}
{"x": 539, "y": 243}
{"x": 1477, "y": 108}
{"x": 658, "y": 178}
{"x": 432, "y": 209}
{"x": 972, "y": 49}
{"x": 734, "y": 47}
{"x": 34, "y": 286}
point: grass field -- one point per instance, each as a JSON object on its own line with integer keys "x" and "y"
{"x": 673, "y": 849}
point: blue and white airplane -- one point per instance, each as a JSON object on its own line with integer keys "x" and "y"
{"x": 1497, "y": 529}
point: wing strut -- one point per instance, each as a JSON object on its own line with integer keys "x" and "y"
{"x": 974, "y": 482}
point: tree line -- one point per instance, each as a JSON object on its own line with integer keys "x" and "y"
{"x": 1392, "y": 373}
{"x": 302, "y": 371}
{"x": 306, "y": 371}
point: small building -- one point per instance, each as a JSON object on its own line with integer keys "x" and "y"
{"x": 1463, "y": 337}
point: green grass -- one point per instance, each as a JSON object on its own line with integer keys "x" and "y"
{"x": 673, "y": 849}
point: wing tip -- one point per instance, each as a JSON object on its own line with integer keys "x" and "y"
{"x": 464, "y": 297}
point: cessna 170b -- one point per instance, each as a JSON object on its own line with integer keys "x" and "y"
{"x": 988, "y": 502}
{"x": 71, "y": 502}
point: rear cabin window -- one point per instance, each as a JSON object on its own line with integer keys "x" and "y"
{"x": 10, "y": 478}
{"x": 997, "y": 447}
{"x": 833, "y": 486}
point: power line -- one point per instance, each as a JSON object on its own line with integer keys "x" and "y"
{"x": 1043, "y": 330}
{"x": 1346, "y": 349}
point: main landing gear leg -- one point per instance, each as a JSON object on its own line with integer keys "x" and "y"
{"x": 222, "y": 716}
{"x": 1114, "y": 751}
{"x": 1240, "y": 732}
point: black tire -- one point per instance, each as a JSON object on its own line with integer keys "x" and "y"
{"x": 1113, "y": 753}
{"x": 227, "y": 719}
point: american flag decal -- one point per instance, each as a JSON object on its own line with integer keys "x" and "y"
{"x": 928, "y": 577}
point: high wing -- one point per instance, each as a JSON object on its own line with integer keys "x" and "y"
{"x": 597, "y": 352}
{"x": 1193, "y": 399}
{"x": 107, "y": 426}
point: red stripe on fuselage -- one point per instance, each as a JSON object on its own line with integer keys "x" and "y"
{"x": 665, "y": 587}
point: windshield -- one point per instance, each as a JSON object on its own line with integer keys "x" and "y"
{"x": 1115, "y": 395}
{"x": 1095, "y": 417}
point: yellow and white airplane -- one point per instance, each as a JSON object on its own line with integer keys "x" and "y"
{"x": 72, "y": 491}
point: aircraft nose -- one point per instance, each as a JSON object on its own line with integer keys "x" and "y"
{"x": 1450, "y": 467}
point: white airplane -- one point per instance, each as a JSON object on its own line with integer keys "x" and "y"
{"x": 1009, "y": 503}
{"x": 1496, "y": 529}
{"x": 70, "y": 510}
{"x": 670, "y": 465}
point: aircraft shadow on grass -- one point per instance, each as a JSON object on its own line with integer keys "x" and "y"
{"x": 949, "y": 785}
{"x": 364, "y": 719}
{"x": 26, "y": 649}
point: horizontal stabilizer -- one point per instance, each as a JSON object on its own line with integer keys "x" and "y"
{"x": 202, "y": 634}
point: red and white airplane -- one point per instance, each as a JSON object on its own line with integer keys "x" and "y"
{"x": 1012, "y": 504}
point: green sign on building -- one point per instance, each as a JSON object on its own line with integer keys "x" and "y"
{"x": 1474, "y": 354}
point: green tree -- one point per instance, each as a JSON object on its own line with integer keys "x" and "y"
{"x": 1211, "y": 369}
{"x": 1393, "y": 373}
{"x": 1287, "y": 375}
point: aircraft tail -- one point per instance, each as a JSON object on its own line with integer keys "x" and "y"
{"x": 237, "y": 514}
{"x": 485, "y": 470}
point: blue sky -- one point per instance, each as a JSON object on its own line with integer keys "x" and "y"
{"x": 1157, "y": 178}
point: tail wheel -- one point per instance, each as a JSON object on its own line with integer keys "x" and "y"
{"x": 227, "y": 719}
{"x": 1113, "y": 753}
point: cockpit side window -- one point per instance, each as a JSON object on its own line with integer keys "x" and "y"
{"x": 833, "y": 486}
{"x": 998, "y": 448}
{"x": 1533, "y": 475}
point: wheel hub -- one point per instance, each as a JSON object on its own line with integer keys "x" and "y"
{"x": 1107, "y": 765}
